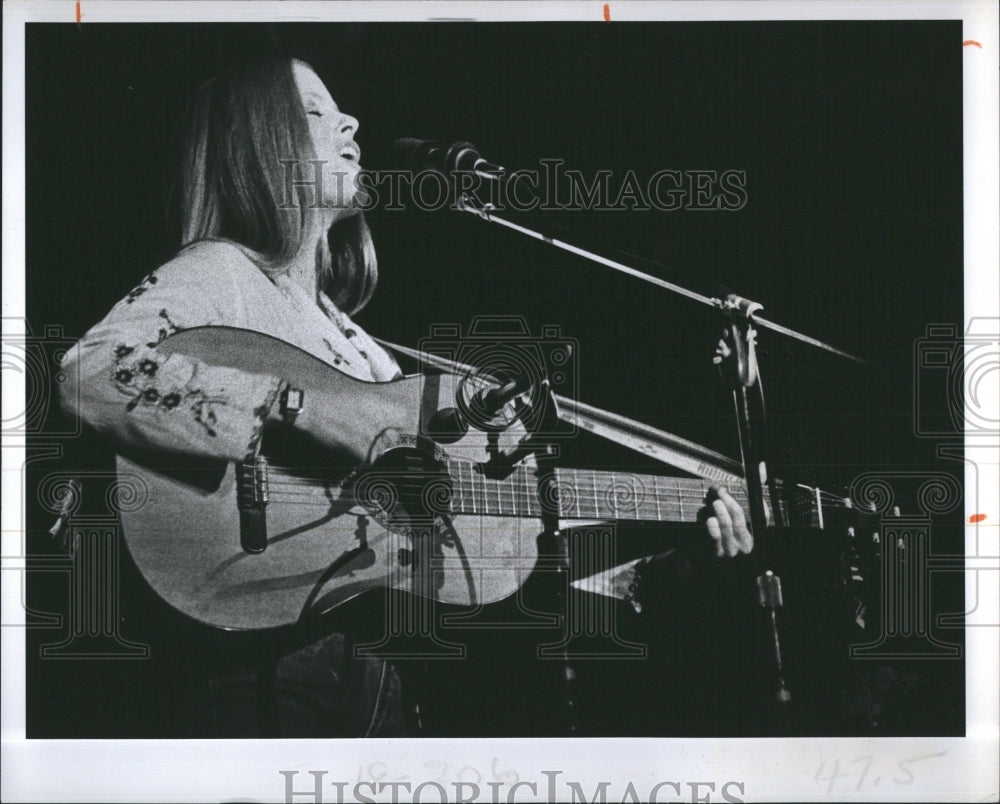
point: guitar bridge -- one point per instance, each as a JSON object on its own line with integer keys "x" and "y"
{"x": 251, "y": 500}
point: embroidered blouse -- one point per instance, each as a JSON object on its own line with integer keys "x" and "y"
{"x": 128, "y": 391}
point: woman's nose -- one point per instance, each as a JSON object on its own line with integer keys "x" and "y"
{"x": 348, "y": 124}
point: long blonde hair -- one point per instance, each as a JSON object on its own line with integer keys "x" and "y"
{"x": 242, "y": 128}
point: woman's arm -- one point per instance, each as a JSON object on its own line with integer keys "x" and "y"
{"x": 120, "y": 384}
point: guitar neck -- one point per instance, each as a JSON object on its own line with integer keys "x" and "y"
{"x": 588, "y": 494}
{"x": 591, "y": 494}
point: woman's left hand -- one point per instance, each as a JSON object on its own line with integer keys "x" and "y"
{"x": 726, "y": 523}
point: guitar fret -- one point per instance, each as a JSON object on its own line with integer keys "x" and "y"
{"x": 576, "y": 493}
{"x": 526, "y": 498}
{"x": 530, "y": 489}
{"x": 530, "y": 482}
{"x": 655, "y": 497}
{"x": 484, "y": 488}
{"x": 614, "y": 494}
{"x": 513, "y": 495}
{"x": 456, "y": 502}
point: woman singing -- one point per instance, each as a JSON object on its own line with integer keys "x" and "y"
{"x": 289, "y": 255}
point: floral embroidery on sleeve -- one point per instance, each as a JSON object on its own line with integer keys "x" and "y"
{"x": 167, "y": 329}
{"x": 141, "y": 288}
{"x": 338, "y": 358}
{"x": 135, "y": 375}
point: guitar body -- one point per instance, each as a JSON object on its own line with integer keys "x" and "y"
{"x": 445, "y": 512}
{"x": 332, "y": 531}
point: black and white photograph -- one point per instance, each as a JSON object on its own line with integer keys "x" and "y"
{"x": 480, "y": 403}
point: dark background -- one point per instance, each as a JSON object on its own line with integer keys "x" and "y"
{"x": 850, "y": 135}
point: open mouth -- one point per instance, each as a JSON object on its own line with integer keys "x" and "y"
{"x": 351, "y": 153}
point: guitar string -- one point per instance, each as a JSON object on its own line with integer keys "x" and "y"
{"x": 510, "y": 495}
{"x": 571, "y": 478}
{"x": 658, "y": 509}
{"x": 666, "y": 510}
{"x": 511, "y": 501}
{"x": 519, "y": 486}
{"x": 288, "y": 475}
{"x": 510, "y": 491}
{"x": 594, "y": 476}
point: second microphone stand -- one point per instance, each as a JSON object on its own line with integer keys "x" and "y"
{"x": 741, "y": 372}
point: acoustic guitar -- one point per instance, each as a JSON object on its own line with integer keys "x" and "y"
{"x": 440, "y": 511}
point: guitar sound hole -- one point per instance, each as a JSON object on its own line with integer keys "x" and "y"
{"x": 405, "y": 489}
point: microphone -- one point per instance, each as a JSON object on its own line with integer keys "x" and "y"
{"x": 419, "y": 155}
{"x": 492, "y": 403}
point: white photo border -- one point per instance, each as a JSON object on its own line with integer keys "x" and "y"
{"x": 940, "y": 769}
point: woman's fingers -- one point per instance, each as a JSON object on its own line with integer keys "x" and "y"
{"x": 725, "y": 525}
{"x": 712, "y": 524}
{"x": 741, "y": 533}
{"x": 735, "y": 536}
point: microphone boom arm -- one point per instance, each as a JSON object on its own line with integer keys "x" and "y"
{"x": 465, "y": 204}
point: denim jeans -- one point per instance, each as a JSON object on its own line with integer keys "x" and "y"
{"x": 317, "y": 691}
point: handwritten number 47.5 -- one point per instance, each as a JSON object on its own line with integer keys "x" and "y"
{"x": 830, "y": 770}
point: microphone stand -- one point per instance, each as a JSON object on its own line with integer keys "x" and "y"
{"x": 554, "y": 543}
{"x": 742, "y": 373}
{"x": 740, "y": 312}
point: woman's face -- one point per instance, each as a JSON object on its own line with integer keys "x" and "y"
{"x": 332, "y": 136}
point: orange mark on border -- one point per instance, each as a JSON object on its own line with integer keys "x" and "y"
{"x": 607, "y": 12}
{"x": 976, "y": 518}
{"x": 79, "y": 14}
{"x": 966, "y": 43}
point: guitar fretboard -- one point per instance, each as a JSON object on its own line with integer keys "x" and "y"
{"x": 580, "y": 494}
